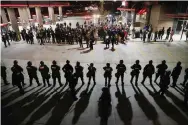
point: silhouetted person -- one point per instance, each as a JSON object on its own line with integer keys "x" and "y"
{"x": 44, "y": 70}
{"x": 185, "y": 77}
{"x": 17, "y": 76}
{"x": 171, "y": 36}
{"x": 168, "y": 33}
{"x": 186, "y": 95}
{"x": 144, "y": 35}
{"x": 135, "y": 71}
{"x": 175, "y": 73}
{"x": 92, "y": 39}
{"x": 80, "y": 41}
{"x": 56, "y": 73}
{"x": 68, "y": 70}
{"x": 32, "y": 72}
{"x": 4, "y": 74}
{"x": 104, "y": 105}
{"x": 5, "y": 40}
{"x": 149, "y": 70}
{"x": 161, "y": 70}
{"x": 165, "y": 81}
{"x": 155, "y": 36}
{"x": 79, "y": 72}
{"x": 121, "y": 68}
{"x": 107, "y": 74}
{"x": 91, "y": 73}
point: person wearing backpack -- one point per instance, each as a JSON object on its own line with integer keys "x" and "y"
{"x": 149, "y": 70}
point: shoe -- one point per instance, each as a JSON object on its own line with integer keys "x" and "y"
{"x": 44, "y": 85}
{"x": 109, "y": 85}
{"x": 173, "y": 86}
{"x": 30, "y": 85}
{"x": 49, "y": 85}
{"x": 122, "y": 83}
{"x": 61, "y": 84}
{"x": 116, "y": 82}
{"x": 83, "y": 83}
{"x": 39, "y": 84}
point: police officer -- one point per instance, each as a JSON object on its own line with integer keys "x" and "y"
{"x": 161, "y": 69}
{"x": 91, "y": 42}
{"x": 149, "y": 70}
{"x": 135, "y": 71}
{"x": 91, "y": 73}
{"x": 4, "y": 74}
{"x": 185, "y": 77}
{"x": 113, "y": 40}
{"x": 175, "y": 73}
{"x": 44, "y": 70}
{"x": 121, "y": 68}
{"x": 79, "y": 72}
{"x": 32, "y": 72}
{"x": 4, "y": 39}
{"x": 68, "y": 70}
{"x": 165, "y": 81}
{"x": 17, "y": 76}
{"x": 80, "y": 41}
{"x": 107, "y": 74}
{"x": 41, "y": 36}
{"x": 186, "y": 95}
{"x": 30, "y": 34}
{"x": 53, "y": 36}
{"x": 56, "y": 73}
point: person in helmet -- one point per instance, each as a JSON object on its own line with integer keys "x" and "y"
{"x": 121, "y": 68}
{"x": 32, "y": 72}
{"x": 135, "y": 71}
{"x": 165, "y": 81}
{"x": 107, "y": 74}
{"x": 175, "y": 73}
{"x": 17, "y": 76}
{"x": 91, "y": 73}
{"x": 68, "y": 70}
{"x": 79, "y": 72}
{"x": 149, "y": 70}
{"x": 44, "y": 70}
{"x": 56, "y": 73}
{"x": 161, "y": 70}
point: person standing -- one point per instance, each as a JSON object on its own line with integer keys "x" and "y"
{"x": 79, "y": 72}
{"x": 185, "y": 77}
{"x": 107, "y": 74}
{"x": 121, "y": 68}
{"x": 68, "y": 70}
{"x": 186, "y": 35}
{"x": 162, "y": 33}
{"x": 165, "y": 81}
{"x": 107, "y": 42}
{"x": 56, "y": 73}
{"x": 4, "y": 40}
{"x": 32, "y": 72}
{"x": 91, "y": 73}
{"x": 171, "y": 35}
{"x": 91, "y": 42}
{"x": 17, "y": 76}
{"x": 80, "y": 41}
{"x": 155, "y": 37}
{"x": 175, "y": 73}
{"x": 161, "y": 70}
{"x": 149, "y": 70}
{"x": 44, "y": 70}
{"x": 135, "y": 71}
{"x": 30, "y": 34}
{"x": 4, "y": 74}
{"x": 168, "y": 33}
{"x": 144, "y": 36}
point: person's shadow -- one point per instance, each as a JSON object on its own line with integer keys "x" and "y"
{"x": 104, "y": 106}
{"x": 86, "y": 51}
{"x": 148, "y": 109}
{"x": 62, "y": 108}
{"x": 82, "y": 104}
{"x": 22, "y": 111}
{"x": 169, "y": 109}
{"x": 124, "y": 107}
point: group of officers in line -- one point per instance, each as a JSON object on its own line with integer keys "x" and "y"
{"x": 72, "y": 77}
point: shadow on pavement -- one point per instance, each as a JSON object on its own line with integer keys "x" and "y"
{"x": 61, "y": 109}
{"x": 86, "y": 51}
{"x": 169, "y": 109}
{"x": 148, "y": 109}
{"x": 82, "y": 103}
{"x": 17, "y": 112}
{"x": 104, "y": 106}
{"x": 124, "y": 107}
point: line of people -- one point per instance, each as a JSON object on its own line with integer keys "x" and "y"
{"x": 9, "y": 36}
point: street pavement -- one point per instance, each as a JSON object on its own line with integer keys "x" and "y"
{"x": 130, "y": 105}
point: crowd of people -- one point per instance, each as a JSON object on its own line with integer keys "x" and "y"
{"x": 72, "y": 77}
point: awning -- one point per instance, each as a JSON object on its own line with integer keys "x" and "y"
{"x": 185, "y": 16}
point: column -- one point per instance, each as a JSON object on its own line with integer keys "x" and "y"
{"x": 51, "y": 14}
{"x": 60, "y": 11}
{"x": 39, "y": 15}
{"x": 24, "y": 19}
{"x": 28, "y": 13}
{"x": 3, "y": 16}
{"x": 13, "y": 21}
